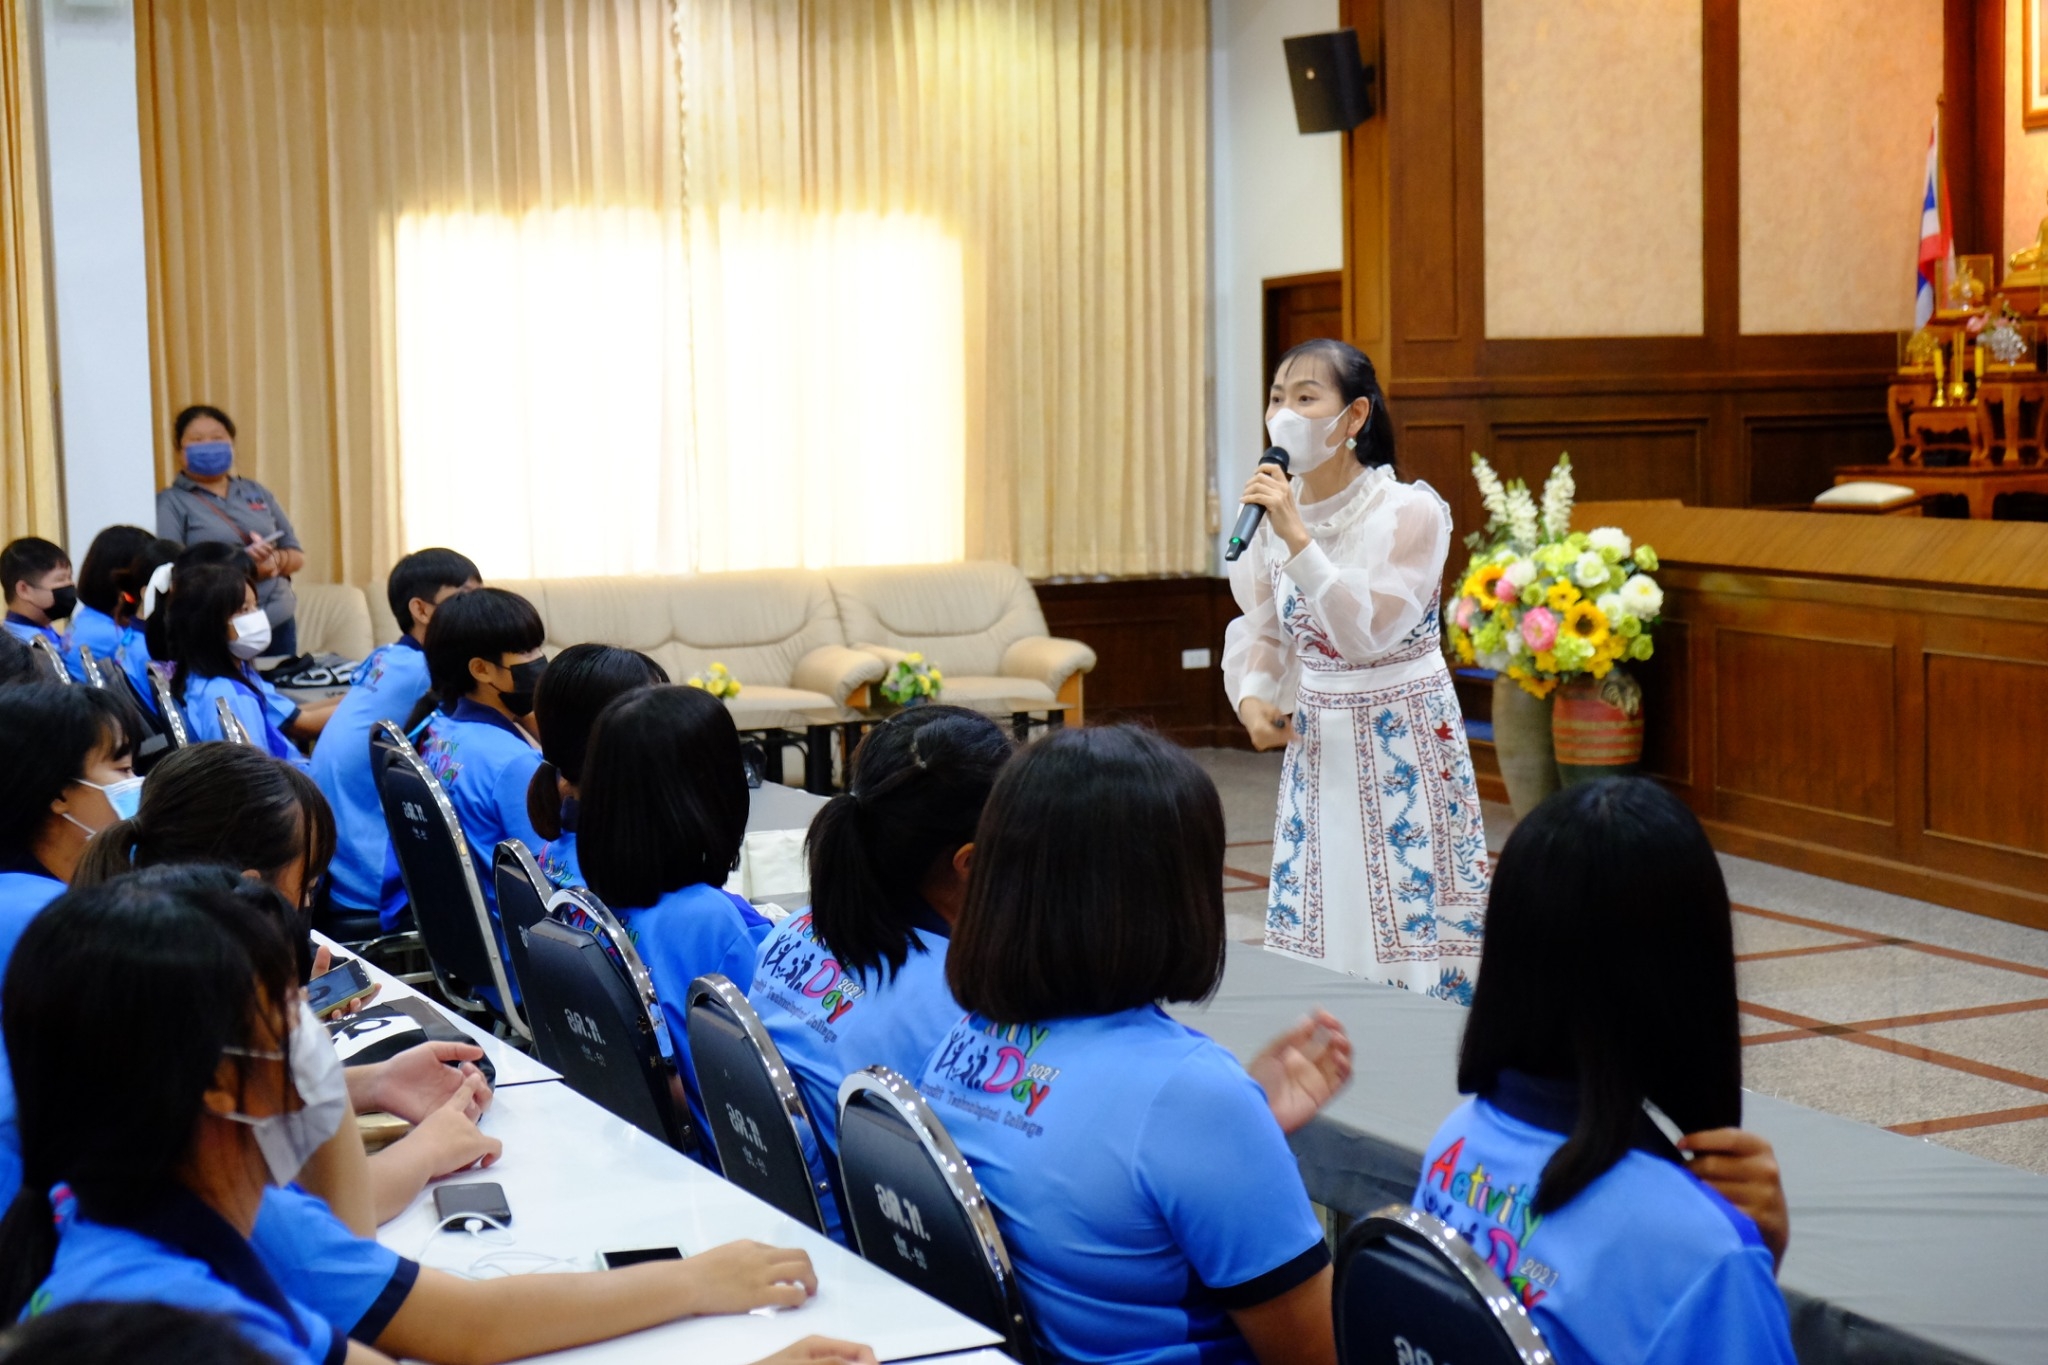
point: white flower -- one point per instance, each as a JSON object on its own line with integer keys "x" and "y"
{"x": 1497, "y": 660}
{"x": 1558, "y": 492}
{"x": 1590, "y": 571}
{"x": 1521, "y": 573}
{"x": 1521, "y": 518}
{"x": 1610, "y": 538}
{"x": 1492, "y": 496}
{"x": 1612, "y": 607}
{"x": 1642, "y": 596}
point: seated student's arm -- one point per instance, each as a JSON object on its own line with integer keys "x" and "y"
{"x": 1303, "y": 1069}
{"x": 1743, "y": 1170}
{"x": 359, "y": 1354}
{"x": 1294, "y": 1329}
{"x": 508, "y": 800}
{"x": 444, "y": 1142}
{"x": 312, "y": 718}
{"x": 1732, "y": 1315}
{"x": 453, "y": 1321}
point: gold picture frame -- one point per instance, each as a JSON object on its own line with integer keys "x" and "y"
{"x": 2033, "y": 71}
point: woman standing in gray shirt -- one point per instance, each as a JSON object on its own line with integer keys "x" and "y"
{"x": 209, "y": 502}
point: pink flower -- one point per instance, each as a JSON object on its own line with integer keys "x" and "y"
{"x": 1466, "y": 606}
{"x": 1539, "y": 628}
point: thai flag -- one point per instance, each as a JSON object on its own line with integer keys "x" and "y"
{"x": 1937, "y": 238}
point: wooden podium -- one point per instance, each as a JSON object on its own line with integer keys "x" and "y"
{"x": 1976, "y": 450}
{"x": 1865, "y": 698}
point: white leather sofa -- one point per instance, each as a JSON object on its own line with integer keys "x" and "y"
{"x": 784, "y": 633}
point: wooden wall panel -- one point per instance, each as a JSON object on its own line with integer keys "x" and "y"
{"x": 1649, "y": 459}
{"x": 1806, "y": 723}
{"x": 1983, "y": 786}
{"x": 1792, "y": 458}
{"x": 1138, "y": 628}
{"x": 1422, "y": 85}
{"x": 1436, "y": 453}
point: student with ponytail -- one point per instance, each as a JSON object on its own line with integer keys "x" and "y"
{"x": 579, "y": 683}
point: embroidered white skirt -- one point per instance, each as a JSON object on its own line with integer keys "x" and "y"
{"x": 1379, "y": 852}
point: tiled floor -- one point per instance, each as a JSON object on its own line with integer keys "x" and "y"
{"x": 1925, "y": 1020}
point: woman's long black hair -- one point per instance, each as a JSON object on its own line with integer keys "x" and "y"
{"x": 206, "y": 595}
{"x": 1609, "y": 961}
{"x": 157, "y": 974}
{"x": 917, "y": 789}
{"x": 48, "y": 731}
{"x": 1355, "y": 378}
{"x": 664, "y": 796}
{"x": 580, "y": 682}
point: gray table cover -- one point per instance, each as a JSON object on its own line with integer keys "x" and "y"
{"x": 1901, "y": 1250}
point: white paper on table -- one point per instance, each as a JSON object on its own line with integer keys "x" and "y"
{"x": 771, "y": 864}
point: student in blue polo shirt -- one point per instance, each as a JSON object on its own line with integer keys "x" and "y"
{"x": 1608, "y": 984}
{"x": 93, "y": 621}
{"x": 213, "y": 632}
{"x": 35, "y": 575}
{"x": 1146, "y": 1193}
{"x": 389, "y": 684}
{"x": 484, "y": 659}
{"x": 163, "y": 1191}
{"x": 659, "y": 828}
{"x": 136, "y": 586}
{"x": 66, "y": 752}
{"x": 580, "y": 682}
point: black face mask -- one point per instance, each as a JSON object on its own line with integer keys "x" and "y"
{"x": 62, "y": 602}
{"x": 525, "y": 677}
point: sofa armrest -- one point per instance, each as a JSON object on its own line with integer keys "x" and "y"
{"x": 837, "y": 671}
{"x": 1046, "y": 659}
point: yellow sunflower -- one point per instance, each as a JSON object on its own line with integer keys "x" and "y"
{"x": 1587, "y": 622}
{"x": 1484, "y": 582}
{"x": 1562, "y": 596}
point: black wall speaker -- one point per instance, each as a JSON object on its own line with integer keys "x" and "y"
{"x": 1332, "y": 86}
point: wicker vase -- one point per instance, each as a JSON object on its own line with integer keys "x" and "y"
{"x": 1521, "y": 740}
{"x": 1597, "y": 727}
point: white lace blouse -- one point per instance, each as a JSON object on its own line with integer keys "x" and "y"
{"x": 1374, "y": 560}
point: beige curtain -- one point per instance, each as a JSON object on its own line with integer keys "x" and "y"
{"x": 884, "y": 229}
{"x": 29, "y": 483}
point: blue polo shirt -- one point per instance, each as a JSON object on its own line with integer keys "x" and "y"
{"x": 184, "y": 1254}
{"x": 682, "y": 936}
{"x": 1647, "y": 1264}
{"x": 363, "y": 875}
{"x": 484, "y": 763}
{"x": 98, "y": 632}
{"x": 353, "y": 1282}
{"x": 1141, "y": 1183}
{"x": 245, "y": 694}
{"x": 25, "y": 888}
{"x": 25, "y": 630}
{"x": 558, "y": 862}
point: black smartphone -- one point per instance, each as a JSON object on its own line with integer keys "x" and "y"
{"x": 616, "y": 1260}
{"x": 331, "y": 990}
{"x": 474, "y": 1199}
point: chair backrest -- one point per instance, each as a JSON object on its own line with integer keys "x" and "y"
{"x": 447, "y": 902}
{"x": 1409, "y": 1289}
{"x": 385, "y": 742}
{"x": 759, "y": 1124}
{"x": 612, "y": 1045}
{"x": 91, "y": 666}
{"x": 523, "y": 892}
{"x": 916, "y": 1209}
{"x": 52, "y": 660}
{"x": 231, "y": 728}
{"x": 167, "y": 710}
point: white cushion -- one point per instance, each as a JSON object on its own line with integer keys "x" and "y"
{"x": 1864, "y": 493}
{"x": 334, "y": 618}
{"x": 960, "y": 616}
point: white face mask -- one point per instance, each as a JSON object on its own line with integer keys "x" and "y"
{"x": 124, "y": 796}
{"x": 252, "y": 635}
{"x": 288, "y": 1140}
{"x": 1305, "y": 440}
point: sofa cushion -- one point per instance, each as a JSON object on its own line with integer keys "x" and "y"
{"x": 334, "y": 618}
{"x": 960, "y": 616}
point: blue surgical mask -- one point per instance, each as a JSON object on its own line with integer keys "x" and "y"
{"x": 210, "y": 459}
{"x": 124, "y": 796}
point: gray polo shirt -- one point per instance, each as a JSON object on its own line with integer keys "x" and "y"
{"x": 188, "y": 513}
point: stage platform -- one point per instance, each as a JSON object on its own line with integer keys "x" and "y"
{"x": 1902, "y": 1251}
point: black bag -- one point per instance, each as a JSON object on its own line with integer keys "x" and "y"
{"x": 381, "y": 1032}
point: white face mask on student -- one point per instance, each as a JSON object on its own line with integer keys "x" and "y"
{"x": 288, "y": 1140}
{"x": 252, "y": 635}
{"x": 1305, "y": 439}
{"x": 124, "y": 797}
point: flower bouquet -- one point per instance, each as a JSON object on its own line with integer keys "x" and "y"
{"x": 718, "y": 681}
{"x": 913, "y": 681}
{"x": 1543, "y": 603}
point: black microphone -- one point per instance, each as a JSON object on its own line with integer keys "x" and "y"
{"x": 1248, "y": 519}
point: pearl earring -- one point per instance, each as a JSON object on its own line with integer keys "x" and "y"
{"x": 1351, "y": 443}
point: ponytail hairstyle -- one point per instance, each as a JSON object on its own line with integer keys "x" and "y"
{"x": 579, "y": 682}
{"x": 131, "y": 580}
{"x": 111, "y": 551}
{"x": 1350, "y": 369}
{"x": 917, "y": 788}
{"x": 97, "y": 975}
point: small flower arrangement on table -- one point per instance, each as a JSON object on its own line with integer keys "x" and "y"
{"x": 1543, "y": 603}
{"x": 913, "y": 681}
{"x": 718, "y": 681}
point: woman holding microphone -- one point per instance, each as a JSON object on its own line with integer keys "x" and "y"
{"x": 1379, "y": 854}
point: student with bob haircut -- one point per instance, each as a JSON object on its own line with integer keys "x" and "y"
{"x": 580, "y": 682}
{"x": 213, "y": 633}
{"x": 1145, "y": 1189}
{"x": 96, "y": 623}
{"x": 1609, "y": 985}
{"x": 662, "y": 816}
{"x": 387, "y": 686}
{"x": 484, "y": 660}
{"x": 163, "y": 1193}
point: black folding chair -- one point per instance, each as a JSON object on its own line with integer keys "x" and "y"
{"x": 447, "y": 901}
{"x": 916, "y": 1209}
{"x": 231, "y": 728}
{"x": 52, "y": 660}
{"x": 763, "y": 1133}
{"x": 1410, "y": 1288}
{"x": 167, "y": 710}
{"x": 523, "y": 891}
{"x": 611, "y": 1042}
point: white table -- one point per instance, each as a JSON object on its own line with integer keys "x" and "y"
{"x": 579, "y": 1181}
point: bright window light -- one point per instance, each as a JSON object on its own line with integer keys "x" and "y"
{"x": 567, "y": 404}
